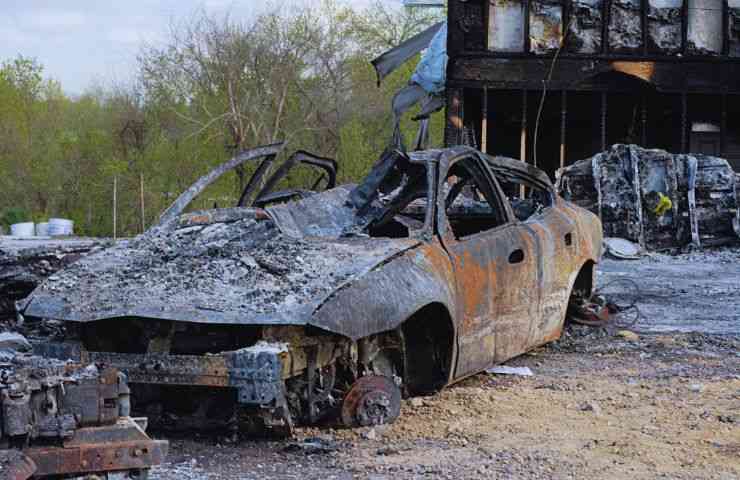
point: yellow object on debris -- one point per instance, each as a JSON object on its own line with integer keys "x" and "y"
{"x": 664, "y": 204}
{"x": 628, "y": 335}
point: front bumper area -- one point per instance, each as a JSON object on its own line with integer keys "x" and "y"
{"x": 255, "y": 372}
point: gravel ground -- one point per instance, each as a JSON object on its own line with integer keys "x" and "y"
{"x": 602, "y": 403}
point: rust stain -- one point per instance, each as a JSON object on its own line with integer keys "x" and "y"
{"x": 111, "y": 456}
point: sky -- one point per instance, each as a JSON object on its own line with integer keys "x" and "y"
{"x": 84, "y": 43}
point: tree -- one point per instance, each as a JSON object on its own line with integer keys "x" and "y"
{"x": 231, "y": 81}
{"x": 216, "y": 86}
{"x": 379, "y": 28}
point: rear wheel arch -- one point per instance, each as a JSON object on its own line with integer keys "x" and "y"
{"x": 585, "y": 280}
{"x": 583, "y": 285}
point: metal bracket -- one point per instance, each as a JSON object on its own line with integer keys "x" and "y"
{"x": 257, "y": 376}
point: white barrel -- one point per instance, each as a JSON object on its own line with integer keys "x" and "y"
{"x": 42, "y": 229}
{"x": 60, "y": 227}
{"x": 25, "y": 229}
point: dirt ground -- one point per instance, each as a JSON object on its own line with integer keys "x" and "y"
{"x": 601, "y": 404}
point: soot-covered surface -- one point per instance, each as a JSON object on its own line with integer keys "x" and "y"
{"x": 690, "y": 292}
{"x": 232, "y": 268}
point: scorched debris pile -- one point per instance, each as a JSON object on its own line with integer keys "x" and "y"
{"x": 60, "y": 418}
{"x": 24, "y": 264}
{"x": 657, "y": 199}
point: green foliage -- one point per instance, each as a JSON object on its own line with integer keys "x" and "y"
{"x": 216, "y": 87}
{"x": 14, "y": 215}
{"x": 24, "y": 75}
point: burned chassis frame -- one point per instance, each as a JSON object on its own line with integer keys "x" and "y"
{"x": 268, "y": 153}
{"x": 66, "y": 419}
{"x": 257, "y": 373}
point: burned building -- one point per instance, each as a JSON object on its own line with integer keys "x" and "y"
{"x": 555, "y": 81}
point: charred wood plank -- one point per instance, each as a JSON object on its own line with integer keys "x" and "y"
{"x": 571, "y": 73}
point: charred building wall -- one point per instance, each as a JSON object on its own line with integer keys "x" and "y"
{"x": 656, "y": 73}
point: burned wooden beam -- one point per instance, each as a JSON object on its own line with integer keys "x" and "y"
{"x": 708, "y": 75}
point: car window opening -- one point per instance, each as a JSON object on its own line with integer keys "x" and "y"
{"x": 470, "y": 204}
{"x": 527, "y": 200}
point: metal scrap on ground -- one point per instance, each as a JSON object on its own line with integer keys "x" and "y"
{"x": 507, "y": 370}
{"x": 64, "y": 419}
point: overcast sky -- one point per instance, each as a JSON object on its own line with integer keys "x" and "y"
{"x": 82, "y": 42}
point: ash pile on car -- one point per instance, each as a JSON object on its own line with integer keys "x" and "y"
{"x": 233, "y": 263}
{"x": 25, "y": 263}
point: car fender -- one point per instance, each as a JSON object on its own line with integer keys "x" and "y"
{"x": 385, "y": 297}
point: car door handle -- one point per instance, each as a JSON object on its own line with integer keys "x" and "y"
{"x": 568, "y": 239}
{"x": 517, "y": 256}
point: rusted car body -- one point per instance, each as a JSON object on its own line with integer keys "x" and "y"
{"x": 438, "y": 265}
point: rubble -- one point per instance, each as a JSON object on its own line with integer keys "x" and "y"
{"x": 657, "y": 199}
{"x": 664, "y": 26}
{"x": 65, "y": 419}
{"x": 625, "y": 25}
{"x": 585, "y": 29}
{"x": 24, "y": 264}
{"x": 545, "y": 26}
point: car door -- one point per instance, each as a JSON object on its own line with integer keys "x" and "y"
{"x": 557, "y": 237}
{"x": 492, "y": 260}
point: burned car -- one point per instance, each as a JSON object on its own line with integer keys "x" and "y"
{"x": 337, "y": 304}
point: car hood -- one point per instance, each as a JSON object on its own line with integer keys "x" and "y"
{"x": 229, "y": 266}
